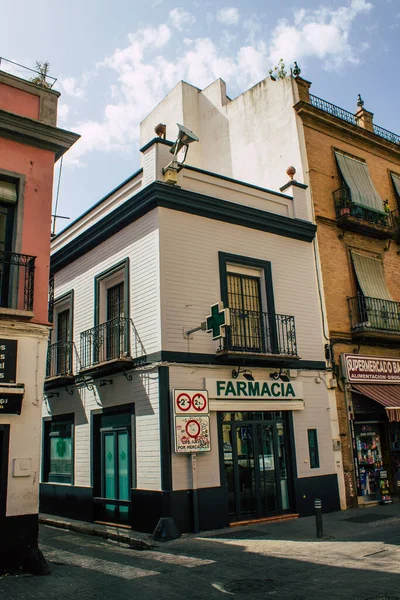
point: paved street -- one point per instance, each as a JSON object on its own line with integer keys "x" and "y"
{"x": 358, "y": 559}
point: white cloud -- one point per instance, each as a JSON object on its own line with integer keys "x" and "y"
{"x": 70, "y": 87}
{"x": 62, "y": 112}
{"x": 143, "y": 72}
{"x": 322, "y": 33}
{"x": 181, "y": 19}
{"x": 228, "y": 15}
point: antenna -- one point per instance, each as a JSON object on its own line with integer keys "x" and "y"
{"x": 55, "y": 216}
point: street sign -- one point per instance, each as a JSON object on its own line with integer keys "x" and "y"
{"x": 11, "y": 404}
{"x": 191, "y": 402}
{"x": 218, "y": 320}
{"x": 192, "y": 434}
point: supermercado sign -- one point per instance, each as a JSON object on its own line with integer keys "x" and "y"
{"x": 229, "y": 389}
{"x": 371, "y": 368}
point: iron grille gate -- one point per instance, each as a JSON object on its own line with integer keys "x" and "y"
{"x": 244, "y": 298}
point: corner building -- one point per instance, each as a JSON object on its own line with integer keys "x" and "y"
{"x": 132, "y": 276}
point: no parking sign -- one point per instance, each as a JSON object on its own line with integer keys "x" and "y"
{"x": 192, "y": 421}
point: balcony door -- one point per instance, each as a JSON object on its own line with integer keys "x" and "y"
{"x": 63, "y": 347}
{"x": 115, "y": 335}
{"x": 7, "y": 211}
{"x": 244, "y": 300}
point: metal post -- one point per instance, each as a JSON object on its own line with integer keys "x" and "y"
{"x": 193, "y": 463}
{"x": 318, "y": 517}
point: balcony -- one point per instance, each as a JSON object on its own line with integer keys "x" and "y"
{"x": 16, "y": 284}
{"x": 110, "y": 347}
{"x": 361, "y": 219}
{"x": 374, "y": 319}
{"x": 259, "y": 335}
{"x": 59, "y": 371}
{"x": 345, "y": 115}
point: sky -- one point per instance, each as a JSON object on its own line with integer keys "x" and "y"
{"x": 115, "y": 60}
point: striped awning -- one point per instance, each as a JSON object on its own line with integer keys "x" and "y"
{"x": 396, "y": 183}
{"x": 370, "y": 276}
{"x": 8, "y": 192}
{"x": 358, "y": 180}
{"x": 385, "y": 394}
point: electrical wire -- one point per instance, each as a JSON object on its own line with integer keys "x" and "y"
{"x": 57, "y": 196}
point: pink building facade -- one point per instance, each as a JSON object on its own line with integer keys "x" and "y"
{"x": 30, "y": 143}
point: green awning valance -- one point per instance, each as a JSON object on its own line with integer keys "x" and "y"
{"x": 8, "y": 192}
{"x": 370, "y": 276}
{"x": 358, "y": 180}
{"x": 396, "y": 183}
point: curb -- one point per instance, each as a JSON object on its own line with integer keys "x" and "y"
{"x": 108, "y": 533}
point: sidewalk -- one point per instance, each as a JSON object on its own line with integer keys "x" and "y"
{"x": 134, "y": 539}
{"x": 341, "y": 526}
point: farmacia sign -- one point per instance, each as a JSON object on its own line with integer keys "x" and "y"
{"x": 261, "y": 390}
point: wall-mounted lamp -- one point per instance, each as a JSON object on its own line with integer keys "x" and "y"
{"x": 247, "y": 374}
{"x": 184, "y": 138}
{"x": 104, "y": 382}
{"x": 282, "y": 375}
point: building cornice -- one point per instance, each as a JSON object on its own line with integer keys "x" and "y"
{"x": 163, "y": 195}
{"x": 34, "y": 133}
{"x": 320, "y": 120}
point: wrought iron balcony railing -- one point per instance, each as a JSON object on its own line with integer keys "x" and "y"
{"x": 345, "y": 207}
{"x": 345, "y": 115}
{"x": 16, "y": 281}
{"x": 260, "y": 333}
{"x": 114, "y": 339}
{"x": 60, "y": 359}
{"x": 374, "y": 314}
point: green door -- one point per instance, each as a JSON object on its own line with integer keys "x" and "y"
{"x": 116, "y": 470}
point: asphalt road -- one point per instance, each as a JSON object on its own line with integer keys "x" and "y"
{"x": 357, "y": 559}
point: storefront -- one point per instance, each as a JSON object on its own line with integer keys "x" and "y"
{"x": 374, "y": 384}
{"x": 256, "y": 438}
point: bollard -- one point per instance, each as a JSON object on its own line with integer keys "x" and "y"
{"x": 318, "y": 517}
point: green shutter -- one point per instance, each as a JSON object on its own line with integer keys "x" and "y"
{"x": 396, "y": 183}
{"x": 370, "y": 276}
{"x": 8, "y": 192}
{"x": 357, "y": 178}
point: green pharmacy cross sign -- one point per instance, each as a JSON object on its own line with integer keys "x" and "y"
{"x": 218, "y": 320}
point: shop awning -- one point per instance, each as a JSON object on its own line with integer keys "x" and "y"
{"x": 370, "y": 276}
{"x": 386, "y": 394}
{"x": 358, "y": 180}
{"x": 396, "y": 183}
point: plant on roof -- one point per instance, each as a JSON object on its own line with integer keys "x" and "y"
{"x": 42, "y": 69}
{"x": 279, "y": 71}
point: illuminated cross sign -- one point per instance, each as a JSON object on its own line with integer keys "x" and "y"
{"x": 218, "y": 320}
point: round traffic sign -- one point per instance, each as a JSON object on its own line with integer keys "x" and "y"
{"x": 193, "y": 428}
{"x": 184, "y": 402}
{"x": 199, "y": 402}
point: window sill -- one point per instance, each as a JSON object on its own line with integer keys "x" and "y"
{"x": 15, "y": 312}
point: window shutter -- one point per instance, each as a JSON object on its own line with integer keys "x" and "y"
{"x": 8, "y": 192}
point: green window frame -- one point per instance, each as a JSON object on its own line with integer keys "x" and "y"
{"x": 58, "y": 450}
{"x": 313, "y": 448}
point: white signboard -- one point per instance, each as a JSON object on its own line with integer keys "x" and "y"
{"x": 235, "y": 389}
{"x": 191, "y": 421}
{"x": 192, "y": 434}
{"x": 191, "y": 402}
{"x": 371, "y": 369}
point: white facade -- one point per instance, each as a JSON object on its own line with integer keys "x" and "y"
{"x": 171, "y": 255}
